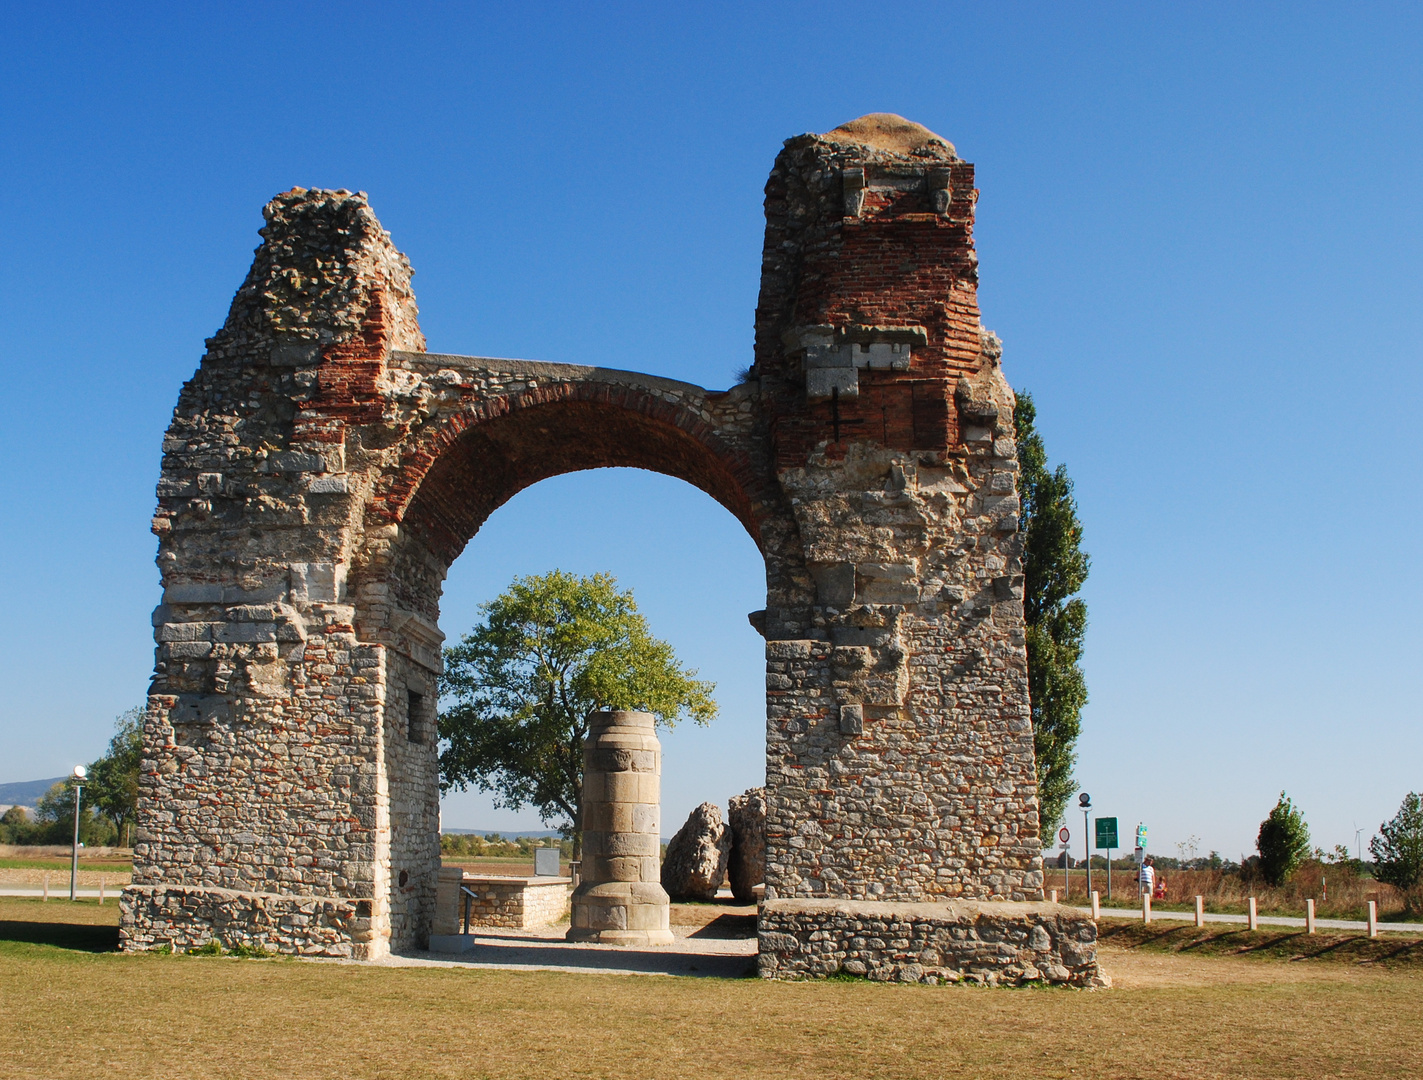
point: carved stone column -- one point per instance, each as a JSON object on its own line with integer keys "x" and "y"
{"x": 620, "y": 900}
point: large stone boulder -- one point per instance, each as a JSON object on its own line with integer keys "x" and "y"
{"x": 747, "y": 866}
{"x": 695, "y": 864}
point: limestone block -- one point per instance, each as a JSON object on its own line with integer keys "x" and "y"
{"x": 746, "y": 863}
{"x": 695, "y": 865}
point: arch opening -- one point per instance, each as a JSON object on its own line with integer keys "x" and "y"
{"x": 478, "y": 464}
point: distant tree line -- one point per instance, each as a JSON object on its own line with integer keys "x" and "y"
{"x": 107, "y": 804}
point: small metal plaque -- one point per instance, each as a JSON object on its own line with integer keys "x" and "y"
{"x": 546, "y": 862}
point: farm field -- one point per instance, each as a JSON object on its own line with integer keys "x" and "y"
{"x": 74, "y": 1010}
{"x": 1336, "y": 894}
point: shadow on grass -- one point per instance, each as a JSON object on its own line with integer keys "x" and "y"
{"x": 77, "y": 936}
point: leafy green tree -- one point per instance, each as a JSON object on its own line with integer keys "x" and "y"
{"x": 1398, "y": 849}
{"x": 1283, "y": 842}
{"x": 1054, "y": 570}
{"x": 16, "y": 827}
{"x": 548, "y": 653}
{"x": 113, "y": 779}
{"x": 54, "y": 813}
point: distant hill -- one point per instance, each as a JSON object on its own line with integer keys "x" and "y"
{"x": 26, "y": 792}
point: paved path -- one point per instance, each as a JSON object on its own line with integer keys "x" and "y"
{"x": 1263, "y": 920}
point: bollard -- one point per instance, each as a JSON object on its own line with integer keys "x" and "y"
{"x": 1200, "y": 911}
{"x": 1251, "y": 921}
{"x": 1053, "y": 894}
{"x": 1309, "y": 916}
{"x": 101, "y": 889}
{"x": 1373, "y": 918}
{"x": 46, "y": 884}
{"x": 1096, "y": 905}
{"x": 1146, "y": 907}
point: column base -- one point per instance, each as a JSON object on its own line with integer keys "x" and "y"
{"x": 621, "y": 913}
{"x": 998, "y": 943}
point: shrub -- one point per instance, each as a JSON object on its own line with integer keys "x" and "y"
{"x": 1398, "y": 849}
{"x": 1283, "y": 842}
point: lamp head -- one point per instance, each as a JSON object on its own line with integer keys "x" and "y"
{"x": 1084, "y": 800}
{"x": 80, "y": 772}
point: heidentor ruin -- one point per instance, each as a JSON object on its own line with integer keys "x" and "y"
{"x": 323, "y": 470}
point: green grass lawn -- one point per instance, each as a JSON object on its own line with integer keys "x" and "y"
{"x": 71, "y": 1009}
{"x": 102, "y": 866}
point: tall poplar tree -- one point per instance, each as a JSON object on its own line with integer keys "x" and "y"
{"x": 1054, "y": 569}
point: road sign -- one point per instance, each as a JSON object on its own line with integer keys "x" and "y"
{"x": 1141, "y": 836}
{"x": 1063, "y": 834}
{"x": 1106, "y": 832}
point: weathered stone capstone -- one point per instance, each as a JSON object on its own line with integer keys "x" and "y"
{"x": 746, "y": 865}
{"x": 322, "y": 471}
{"x": 695, "y": 864}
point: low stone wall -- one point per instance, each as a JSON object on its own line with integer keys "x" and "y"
{"x": 151, "y": 916}
{"x": 993, "y": 942}
{"x": 499, "y": 901}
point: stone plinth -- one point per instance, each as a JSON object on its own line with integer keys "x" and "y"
{"x": 512, "y": 902}
{"x": 620, "y": 899}
{"x": 993, "y": 942}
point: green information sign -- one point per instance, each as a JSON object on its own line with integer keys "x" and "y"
{"x": 1106, "y": 832}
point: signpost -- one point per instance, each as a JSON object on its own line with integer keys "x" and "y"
{"x": 1107, "y": 838}
{"x": 1085, "y": 802}
{"x": 1063, "y": 836}
{"x": 1140, "y": 852}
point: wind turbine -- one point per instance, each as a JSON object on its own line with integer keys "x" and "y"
{"x": 1358, "y": 844}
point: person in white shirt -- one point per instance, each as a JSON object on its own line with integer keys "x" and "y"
{"x": 1146, "y": 877}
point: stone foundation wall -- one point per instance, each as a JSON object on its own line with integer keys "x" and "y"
{"x": 514, "y": 903}
{"x": 185, "y": 917}
{"x": 997, "y": 943}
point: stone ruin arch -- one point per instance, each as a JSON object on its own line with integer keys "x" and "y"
{"x": 323, "y": 470}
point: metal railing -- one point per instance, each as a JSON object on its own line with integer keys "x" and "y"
{"x": 468, "y": 896}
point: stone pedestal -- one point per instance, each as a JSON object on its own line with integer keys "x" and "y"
{"x": 620, "y": 899}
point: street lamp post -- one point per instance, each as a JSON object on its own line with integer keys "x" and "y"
{"x": 1085, "y": 801}
{"x": 79, "y": 774}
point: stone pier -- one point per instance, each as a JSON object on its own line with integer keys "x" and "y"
{"x": 620, "y": 899}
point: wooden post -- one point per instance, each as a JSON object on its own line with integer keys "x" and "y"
{"x": 1096, "y": 905}
{"x": 1373, "y": 918}
{"x": 1146, "y": 907}
{"x": 1052, "y": 893}
{"x": 1200, "y": 911}
{"x": 1252, "y": 922}
{"x": 46, "y": 885}
{"x": 1309, "y": 916}
{"x": 101, "y": 889}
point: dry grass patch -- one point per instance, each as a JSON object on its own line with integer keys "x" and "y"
{"x": 69, "y": 1013}
{"x": 1337, "y": 891}
{"x": 1387, "y": 950}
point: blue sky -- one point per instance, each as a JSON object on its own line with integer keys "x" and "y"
{"x": 1201, "y": 239}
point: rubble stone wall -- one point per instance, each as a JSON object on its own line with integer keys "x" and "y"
{"x": 323, "y": 470}
{"x": 986, "y": 942}
{"x": 499, "y": 901}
